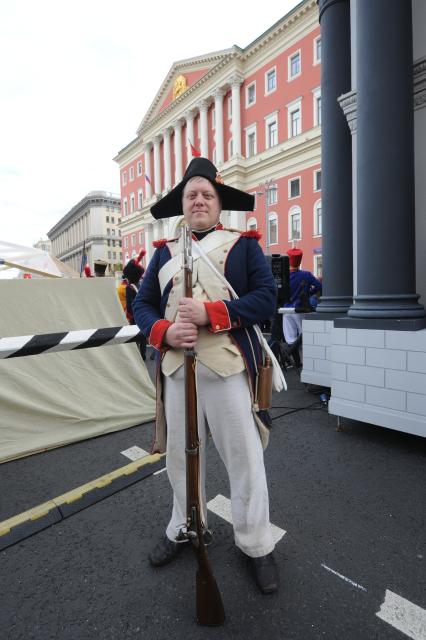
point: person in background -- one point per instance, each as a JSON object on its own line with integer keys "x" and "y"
{"x": 121, "y": 291}
{"x": 133, "y": 273}
{"x": 303, "y": 288}
{"x": 100, "y": 268}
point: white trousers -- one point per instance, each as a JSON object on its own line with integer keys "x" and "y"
{"x": 224, "y": 407}
{"x": 292, "y": 326}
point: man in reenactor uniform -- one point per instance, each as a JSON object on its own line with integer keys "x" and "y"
{"x": 220, "y": 327}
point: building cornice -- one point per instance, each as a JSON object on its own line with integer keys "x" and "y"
{"x": 94, "y": 198}
{"x": 192, "y": 64}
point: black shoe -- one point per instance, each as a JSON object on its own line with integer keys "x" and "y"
{"x": 265, "y": 572}
{"x": 164, "y": 552}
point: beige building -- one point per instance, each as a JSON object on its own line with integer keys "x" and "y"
{"x": 44, "y": 245}
{"x": 92, "y": 224}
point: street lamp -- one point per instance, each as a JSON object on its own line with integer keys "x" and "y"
{"x": 266, "y": 186}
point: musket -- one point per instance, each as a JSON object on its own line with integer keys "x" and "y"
{"x": 209, "y": 604}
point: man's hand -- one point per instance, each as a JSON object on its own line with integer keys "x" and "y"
{"x": 194, "y": 311}
{"x": 181, "y": 335}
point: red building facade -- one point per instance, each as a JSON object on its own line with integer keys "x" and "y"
{"x": 256, "y": 113}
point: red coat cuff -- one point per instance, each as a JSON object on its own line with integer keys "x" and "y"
{"x": 219, "y": 317}
{"x": 158, "y": 331}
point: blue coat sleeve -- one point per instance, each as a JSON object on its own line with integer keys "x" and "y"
{"x": 257, "y": 302}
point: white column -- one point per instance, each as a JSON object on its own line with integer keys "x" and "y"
{"x": 148, "y": 241}
{"x": 178, "y": 150}
{"x": 167, "y": 165}
{"x": 189, "y": 117}
{"x": 157, "y": 165}
{"x": 148, "y": 189}
{"x": 204, "y": 130}
{"x": 218, "y": 106}
{"x": 236, "y": 115}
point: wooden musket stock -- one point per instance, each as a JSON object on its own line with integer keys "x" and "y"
{"x": 209, "y": 604}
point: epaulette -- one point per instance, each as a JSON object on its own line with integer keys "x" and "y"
{"x": 159, "y": 243}
{"x": 253, "y": 233}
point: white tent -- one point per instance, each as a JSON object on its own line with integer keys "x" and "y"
{"x": 35, "y": 261}
{"x": 51, "y": 399}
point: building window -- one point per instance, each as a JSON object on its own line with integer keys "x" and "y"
{"x": 126, "y": 257}
{"x": 113, "y": 232}
{"x": 108, "y": 231}
{"x": 106, "y": 218}
{"x": 317, "y": 107}
{"x": 294, "y": 188}
{"x": 251, "y": 224}
{"x": 214, "y": 156}
{"x": 270, "y": 80}
{"x": 229, "y": 107}
{"x": 317, "y": 49}
{"x": 213, "y": 118}
{"x": 251, "y": 142}
{"x": 108, "y": 242}
{"x": 318, "y": 266}
{"x": 294, "y": 223}
{"x": 271, "y": 131}
{"x": 112, "y": 220}
{"x": 230, "y": 148}
{"x": 318, "y": 219}
{"x": 140, "y": 199}
{"x": 272, "y": 194}
{"x": 250, "y": 94}
{"x": 139, "y": 167}
{"x": 294, "y": 65}
{"x": 125, "y": 207}
{"x": 141, "y": 237}
{"x": 109, "y": 255}
{"x": 124, "y": 178}
{"x": 131, "y": 174}
{"x": 114, "y": 255}
{"x": 133, "y": 239}
{"x": 273, "y": 228}
{"x": 317, "y": 180}
{"x": 126, "y": 242}
{"x": 132, "y": 202}
{"x": 294, "y": 123}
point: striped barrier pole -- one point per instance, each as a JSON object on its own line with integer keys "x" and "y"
{"x": 19, "y": 346}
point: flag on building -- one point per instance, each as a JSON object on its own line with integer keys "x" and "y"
{"x": 194, "y": 152}
{"x": 83, "y": 259}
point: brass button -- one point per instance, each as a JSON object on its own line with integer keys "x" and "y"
{"x": 225, "y": 251}
{"x": 217, "y": 326}
{"x": 220, "y": 261}
{"x": 168, "y": 304}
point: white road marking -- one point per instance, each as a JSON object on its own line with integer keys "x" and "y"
{"x": 221, "y": 506}
{"x": 403, "y": 615}
{"x": 135, "y": 453}
{"x": 354, "y": 584}
{"x": 159, "y": 471}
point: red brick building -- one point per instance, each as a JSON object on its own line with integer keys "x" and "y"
{"x": 256, "y": 113}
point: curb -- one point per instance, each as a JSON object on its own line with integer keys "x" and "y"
{"x": 44, "y": 515}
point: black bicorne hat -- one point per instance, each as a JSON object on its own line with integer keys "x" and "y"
{"x": 232, "y": 199}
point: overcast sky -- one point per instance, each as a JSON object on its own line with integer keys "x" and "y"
{"x": 76, "y": 79}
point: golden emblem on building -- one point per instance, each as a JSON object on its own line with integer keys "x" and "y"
{"x": 179, "y": 86}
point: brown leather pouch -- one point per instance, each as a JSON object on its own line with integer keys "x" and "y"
{"x": 264, "y": 385}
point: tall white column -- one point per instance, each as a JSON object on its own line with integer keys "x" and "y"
{"x": 148, "y": 189}
{"x": 157, "y": 165}
{"x": 236, "y": 115}
{"x": 218, "y": 107}
{"x": 178, "y": 150}
{"x": 189, "y": 117}
{"x": 204, "y": 130}
{"x": 167, "y": 165}
{"x": 149, "y": 237}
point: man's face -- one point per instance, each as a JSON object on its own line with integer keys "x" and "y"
{"x": 200, "y": 204}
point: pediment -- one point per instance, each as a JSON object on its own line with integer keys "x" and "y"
{"x": 183, "y": 75}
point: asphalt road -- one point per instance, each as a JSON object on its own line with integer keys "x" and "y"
{"x": 352, "y": 504}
